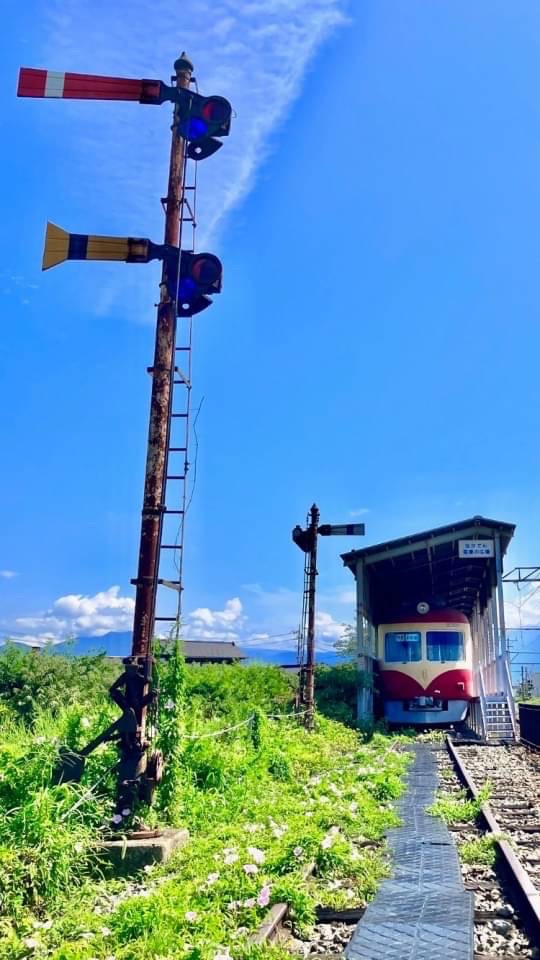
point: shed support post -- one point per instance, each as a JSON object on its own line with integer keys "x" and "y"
{"x": 503, "y": 649}
{"x": 364, "y": 659}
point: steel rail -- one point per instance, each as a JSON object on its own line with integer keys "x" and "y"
{"x": 529, "y": 894}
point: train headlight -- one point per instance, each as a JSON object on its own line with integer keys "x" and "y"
{"x": 423, "y": 607}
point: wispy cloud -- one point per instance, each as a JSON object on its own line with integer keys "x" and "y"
{"x": 523, "y": 610}
{"x": 254, "y": 53}
{"x": 8, "y": 574}
{"x": 359, "y": 511}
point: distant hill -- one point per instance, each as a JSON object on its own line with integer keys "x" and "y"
{"x": 119, "y": 645}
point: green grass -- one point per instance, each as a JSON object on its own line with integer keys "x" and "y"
{"x": 482, "y": 851}
{"x": 458, "y": 808}
{"x": 268, "y": 796}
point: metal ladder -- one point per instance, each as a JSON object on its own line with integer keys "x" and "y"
{"x": 176, "y": 493}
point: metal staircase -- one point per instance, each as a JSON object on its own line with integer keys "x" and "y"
{"x": 498, "y": 719}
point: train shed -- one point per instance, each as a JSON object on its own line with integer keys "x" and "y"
{"x": 459, "y": 566}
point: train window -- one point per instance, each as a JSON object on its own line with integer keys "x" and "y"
{"x": 445, "y": 645}
{"x": 402, "y": 647}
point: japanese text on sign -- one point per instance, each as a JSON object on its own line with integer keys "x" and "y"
{"x": 476, "y": 548}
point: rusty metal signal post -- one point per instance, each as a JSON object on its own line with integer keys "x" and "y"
{"x": 307, "y": 541}
{"x": 186, "y": 280}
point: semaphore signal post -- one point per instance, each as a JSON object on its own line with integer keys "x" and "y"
{"x": 188, "y": 280}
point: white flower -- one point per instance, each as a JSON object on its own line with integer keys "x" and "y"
{"x": 252, "y": 827}
{"x": 278, "y": 832}
{"x": 264, "y": 896}
{"x": 126, "y": 812}
{"x": 233, "y": 905}
{"x": 224, "y": 955}
{"x": 250, "y": 868}
{"x": 334, "y": 830}
{"x": 298, "y": 852}
{"x": 191, "y": 915}
{"x": 212, "y": 878}
{"x": 353, "y": 806}
{"x": 40, "y": 739}
{"x": 327, "y": 842}
{"x": 169, "y": 704}
{"x": 349, "y": 894}
{"x": 85, "y": 723}
{"x": 78, "y": 847}
{"x": 308, "y": 813}
{"x": 116, "y": 818}
{"x": 31, "y": 943}
{"x": 256, "y": 854}
{"x": 250, "y": 902}
{"x": 105, "y": 932}
{"x": 323, "y": 799}
{"x": 230, "y": 858}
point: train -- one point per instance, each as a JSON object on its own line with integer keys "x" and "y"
{"x": 425, "y": 674}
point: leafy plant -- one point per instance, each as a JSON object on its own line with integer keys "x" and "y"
{"x": 458, "y": 808}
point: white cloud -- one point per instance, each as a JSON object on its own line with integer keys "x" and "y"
{"x": 76, "y": 614}
{"x": 8, "y": 574}
{"x": 359, "y": 511}
{"x": 254, "y": 53}
{"x": 206, "y": 624}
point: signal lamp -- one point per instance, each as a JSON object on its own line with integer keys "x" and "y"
{"x": 201, "y": 120}
{"x": 201, "y": 274}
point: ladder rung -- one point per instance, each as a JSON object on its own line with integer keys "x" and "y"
{"x": 176, "y": 582}
{"x": 182, "y": 348}
{"x": 179, "y": 415}
{"x": 177, "y": 449}
{"x": 186, "y": 383}
{"x": 178, "y": 512}
{"x": 171, "y": 546}
{"x": 176, "y": 476}
{"x": 165, "y": 618}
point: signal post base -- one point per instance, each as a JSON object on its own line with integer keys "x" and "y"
{"x": 128, "y": 856}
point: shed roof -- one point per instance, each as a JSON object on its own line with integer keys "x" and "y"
{"x": 212, "y": 650}
{"x": 426, "y": 566}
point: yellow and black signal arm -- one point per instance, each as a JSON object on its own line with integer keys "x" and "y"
{"x": 61, "y": 245}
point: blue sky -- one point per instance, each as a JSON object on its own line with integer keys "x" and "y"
{"x": 375, "y": 347}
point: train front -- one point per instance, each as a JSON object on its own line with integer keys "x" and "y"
{"x": 425, "y": 667}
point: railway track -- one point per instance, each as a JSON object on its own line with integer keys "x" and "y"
{"x": 507, "y": 913}
{"x": 507, "y": 895}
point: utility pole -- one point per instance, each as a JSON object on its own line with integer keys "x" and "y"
{"x": 186, "y": 281}
{"x": 307, "y": 541}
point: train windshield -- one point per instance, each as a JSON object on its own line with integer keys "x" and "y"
{"x": 402, "y": 647}
{"x": 445, "y": 645}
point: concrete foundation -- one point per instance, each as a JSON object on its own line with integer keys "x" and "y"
{"x": 127, "y": 856}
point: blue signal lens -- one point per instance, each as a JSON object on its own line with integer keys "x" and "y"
{"x": 196, "y": 128}
{"x": 193, "y": 129}
{"x": 187, "y": 289}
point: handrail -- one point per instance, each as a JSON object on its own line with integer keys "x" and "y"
{"x": 483, "y": 710}
{"x": 510, "y": 695}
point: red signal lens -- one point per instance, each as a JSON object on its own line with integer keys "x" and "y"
{"x": 206, "y": 270}
{"x": 216, "y": 110}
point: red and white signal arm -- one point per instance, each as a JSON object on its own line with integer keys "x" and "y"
{"x": 85, "y": 86}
